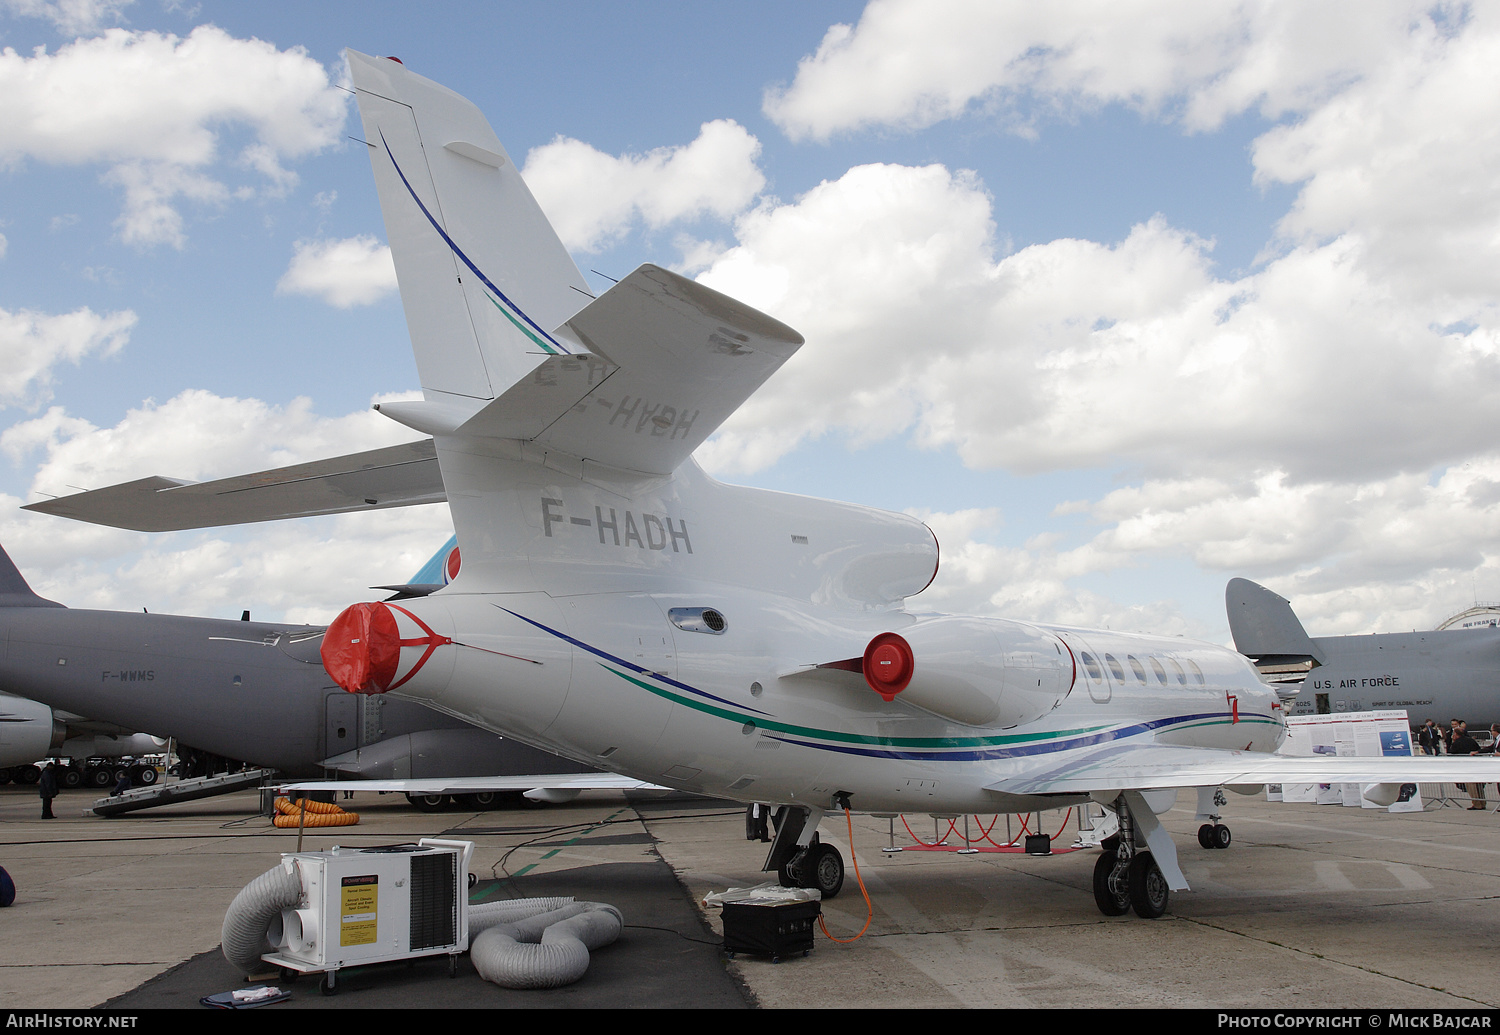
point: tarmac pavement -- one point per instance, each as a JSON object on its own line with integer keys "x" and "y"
{"x": 1312, "y": 906}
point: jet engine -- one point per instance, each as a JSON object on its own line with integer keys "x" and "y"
{"x": 971, "y": 670}
{"x": 27, "y": 731}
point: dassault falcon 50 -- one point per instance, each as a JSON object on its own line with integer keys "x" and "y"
{"x": 619, "y": 606}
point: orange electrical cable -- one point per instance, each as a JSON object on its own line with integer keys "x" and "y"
{"x": 869, "y": 907}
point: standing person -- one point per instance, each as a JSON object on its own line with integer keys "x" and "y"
{"x": 47, "y": 788}
{"x": 1427, "y": 737}
{"x": 1463, "y": 744}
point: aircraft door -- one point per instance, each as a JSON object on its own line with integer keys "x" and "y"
{"x": 340, "y": 723}
{"x": 1091, "y": 668}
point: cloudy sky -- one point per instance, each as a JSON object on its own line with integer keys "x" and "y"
{"x": 1124, "y": 299}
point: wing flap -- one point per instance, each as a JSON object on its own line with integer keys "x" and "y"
{"x": 474, "y": 784}
{"x": 394, "y": 476}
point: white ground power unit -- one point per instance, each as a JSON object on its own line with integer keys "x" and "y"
{"x": 372, "y": 905}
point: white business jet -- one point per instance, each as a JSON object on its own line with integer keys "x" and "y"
{"x": 618, "y": 606}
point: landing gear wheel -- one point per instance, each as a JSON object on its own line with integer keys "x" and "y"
{"x": 1206, "y": 836}
{"x": 70, "y": 778}
{"x": 827, "y": 870}
{"x": 1149, "y": 893}
{"x": 1222, "y": 837}
{"x": 428, "y": 802}
{"x": 147, "y": 776}
{"x": 1109, "y": 901}
{"x": 482, "y": 801}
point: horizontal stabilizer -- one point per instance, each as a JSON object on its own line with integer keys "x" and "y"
{"x": 395, "y": 476}
{"x": 667, "y": 361}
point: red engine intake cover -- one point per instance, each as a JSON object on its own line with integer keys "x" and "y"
{"x": 888, "y": 665}
{"x": 362, "y": 648}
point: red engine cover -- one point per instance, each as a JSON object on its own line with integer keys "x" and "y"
{"x": 362, "y": 648}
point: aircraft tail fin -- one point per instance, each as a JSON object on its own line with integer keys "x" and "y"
{"x": 1265, "y": 627}
{"x": 484, "y": 278}
{"x": 14, "y": 591}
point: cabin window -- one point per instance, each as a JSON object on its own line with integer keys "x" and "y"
{"x": 1197, "y": 672}
{"x": 1114, "y": 667}
{"x": 1161, "y": 673}
{"x": 1181, "y": 675}
{"x": 1094, "y": 671}
{"x": 1137, "y": 668}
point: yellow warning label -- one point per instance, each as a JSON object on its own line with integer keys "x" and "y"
{"x": 358, "y": 899}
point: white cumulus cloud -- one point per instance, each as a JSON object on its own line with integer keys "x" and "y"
{"x": 32, "y": 343}
{"x": 344, "y": 273}
{"x": 154, "y": 109}
{"x": 911, "y": 63}
{"x": 594, "y": 198}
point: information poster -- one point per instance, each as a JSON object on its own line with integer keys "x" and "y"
{"x": 1349, "y": 734}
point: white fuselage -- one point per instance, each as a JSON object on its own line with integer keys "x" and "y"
{"x": 563, "y": 637}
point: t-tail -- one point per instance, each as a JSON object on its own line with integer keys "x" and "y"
{"x": 484, "y": 278}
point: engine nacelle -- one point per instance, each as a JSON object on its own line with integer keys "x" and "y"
{"x": 972, "y": 670}
{"x": 26, "y": 731}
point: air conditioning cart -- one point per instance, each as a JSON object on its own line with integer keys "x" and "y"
{"x": 374, "y": 905}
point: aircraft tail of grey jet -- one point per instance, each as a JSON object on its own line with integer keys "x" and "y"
{"x": 1265, "y": 627}
{"x": 14, "y": 590}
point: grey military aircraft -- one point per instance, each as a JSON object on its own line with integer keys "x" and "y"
{"x": 251, "y": 691}
{"x": 1443, "y": 674}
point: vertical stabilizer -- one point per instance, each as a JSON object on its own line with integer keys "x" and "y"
{"x": 14, "y": 592}
{"x": 484, "y": 279}
{"x": 1264, "y": 625}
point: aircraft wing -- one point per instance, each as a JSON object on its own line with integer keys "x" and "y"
{"x": 662, "y": 362}
{"x": 394, "y": 476}
{"x": 1122, "y": 767}
{"x": 473, "y": 784}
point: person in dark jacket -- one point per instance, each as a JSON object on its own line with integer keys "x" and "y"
{"x": 47, "y": 788}
{"x": 1463, "y": 744}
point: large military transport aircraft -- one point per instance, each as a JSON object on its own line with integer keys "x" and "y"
{"x": 619, "y": 606}
{"x": 1443, "y": 674}
{"x": 245, "y": 690}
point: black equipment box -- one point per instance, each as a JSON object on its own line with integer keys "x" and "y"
{"x": 772, "y": 929}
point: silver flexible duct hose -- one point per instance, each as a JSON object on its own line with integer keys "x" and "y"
{"x": 251, "y": 913}
{"x": 546, "y": 950}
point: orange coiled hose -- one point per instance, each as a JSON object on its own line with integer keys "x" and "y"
{"x": 304, "y": 813}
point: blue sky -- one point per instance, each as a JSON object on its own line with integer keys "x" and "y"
{"x": 1125, "y": 301}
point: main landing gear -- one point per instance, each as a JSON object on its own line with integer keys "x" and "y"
{"x": 1126, "y": 877}
{"x": 818, "y": 866}
{"x": 811, "y": 865}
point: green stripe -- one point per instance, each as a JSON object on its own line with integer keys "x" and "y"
{"x": 566, "y": 844}
{"x": 852, "y": 738}
{"x": 521, "y": 327}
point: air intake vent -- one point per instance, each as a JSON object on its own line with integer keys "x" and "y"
{"x": 434, "y": 903}
{"x": 698, "y": 619}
